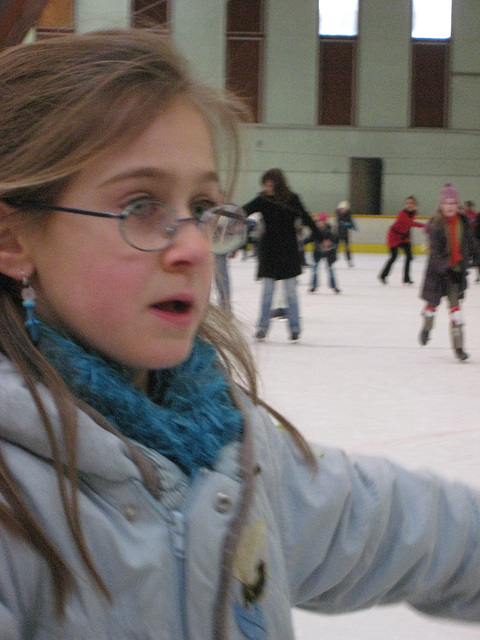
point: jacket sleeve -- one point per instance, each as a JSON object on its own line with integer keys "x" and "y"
{"x": 252, "y": 206}
{"x": 364, "y": 531}
{"x": 419, "y": 225}
{"x": 317, "y": 233}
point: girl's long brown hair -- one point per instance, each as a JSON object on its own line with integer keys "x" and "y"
{"x": 65, "y": 101}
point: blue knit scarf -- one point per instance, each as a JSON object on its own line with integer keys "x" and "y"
{"x": 188, "y": 417}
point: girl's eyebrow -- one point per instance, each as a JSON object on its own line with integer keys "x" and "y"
{"x": 157, "y": 174}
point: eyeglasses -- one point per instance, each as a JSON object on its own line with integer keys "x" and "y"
{"x": 150, "y": 225}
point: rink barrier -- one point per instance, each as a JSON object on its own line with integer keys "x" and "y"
{"x": 371, "y": 233}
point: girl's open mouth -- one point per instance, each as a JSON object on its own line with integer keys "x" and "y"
{"x": 174, "y": 306}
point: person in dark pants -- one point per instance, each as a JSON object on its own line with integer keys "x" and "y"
{"x": 398, "y": 237}
{"x": 344, "y": 224}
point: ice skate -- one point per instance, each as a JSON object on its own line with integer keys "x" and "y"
{"x": 424, "y": 336}
{"x": 457, "y": 342}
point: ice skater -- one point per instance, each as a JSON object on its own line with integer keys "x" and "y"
{"x": 451, "y": 243}
{"x": 279, "y": 257}
{"x": 324, "y": 250}
{"x": 345, "y": 224}
{"x": 398, "y": 237}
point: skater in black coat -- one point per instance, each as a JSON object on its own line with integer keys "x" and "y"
{"x": 278, "y": 252}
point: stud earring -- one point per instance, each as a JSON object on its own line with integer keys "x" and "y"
{"x": 32, "y": 324}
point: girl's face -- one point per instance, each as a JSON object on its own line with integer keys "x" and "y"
{"x": 139, "y": 309}
{"x": 410, "y": 205}
{"x": 268, "y": 188}
{"x": 449, "y": 207}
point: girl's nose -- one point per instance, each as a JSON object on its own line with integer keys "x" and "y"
{"x": 189, "y": 245}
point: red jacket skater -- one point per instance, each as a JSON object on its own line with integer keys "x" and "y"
{"x": 399, "y": 232}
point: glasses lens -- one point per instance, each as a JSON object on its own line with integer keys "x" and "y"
{"x": 227, "y": 227}
{"x": 148, "y": 224}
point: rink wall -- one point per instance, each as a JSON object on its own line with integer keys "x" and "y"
{"x": 371, "y": 233}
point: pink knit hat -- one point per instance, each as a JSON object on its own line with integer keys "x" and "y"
{"x": 447, "y": 192}
{"x": 322, "y": 217}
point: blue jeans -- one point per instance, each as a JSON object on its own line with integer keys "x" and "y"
{"x": 222, "y": 281}
{"x": 315, "y": 278}
{"x": 290, "y": 292}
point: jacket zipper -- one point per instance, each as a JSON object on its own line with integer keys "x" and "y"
{"x": 177, "y": 528}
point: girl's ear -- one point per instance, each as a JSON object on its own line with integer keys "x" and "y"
{"x": 14, "y": 256}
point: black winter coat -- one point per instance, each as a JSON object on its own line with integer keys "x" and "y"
{"x": 279, "y": 256}
{"x": 344, "y": 224}
{"x": 435, "y": 283}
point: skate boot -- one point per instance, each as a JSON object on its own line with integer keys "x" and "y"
{"x": 461, "y": 355}
{"x": 457, "y": 342}
{"x": 424, "y": 336}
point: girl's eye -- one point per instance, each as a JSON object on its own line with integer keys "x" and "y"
{"x": 200, "y": 206}
{"x": 143, "y": 208}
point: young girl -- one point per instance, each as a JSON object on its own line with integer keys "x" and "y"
{"x": 144, "y": 493}
{"x": 326, "y": 249}
{"x": 451, "y": 243}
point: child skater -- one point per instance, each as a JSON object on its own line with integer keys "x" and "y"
{"x": 398, "y": 237}
{"x": 144, "y": 492}
{"x": 451, "y": 243}
{"x": 345, "y": 223}
{"x": 327, "y": 250}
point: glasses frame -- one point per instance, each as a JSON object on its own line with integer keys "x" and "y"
{"x": 219, "y": 209}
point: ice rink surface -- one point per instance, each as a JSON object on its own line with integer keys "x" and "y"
{"x": 358, "y": 379}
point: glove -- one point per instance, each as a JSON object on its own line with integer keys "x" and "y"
{"x": 456, "y": 276}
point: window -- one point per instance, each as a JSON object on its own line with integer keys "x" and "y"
{"x": 429, "y": 83}
{"x": 431, "y": 19}
{"x": 431, "y": 30}
{"x": 338, "y": 27}
{"x": 338, "y": 18}
{"x": 244, "y": 55}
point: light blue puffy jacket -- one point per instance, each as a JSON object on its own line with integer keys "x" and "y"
{"x": 227, "y": 555}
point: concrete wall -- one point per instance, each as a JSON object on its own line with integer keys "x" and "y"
{"x": 317, "y": 162}
{"x": 317, "y": 158}
{"x": 91, "y": 15}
